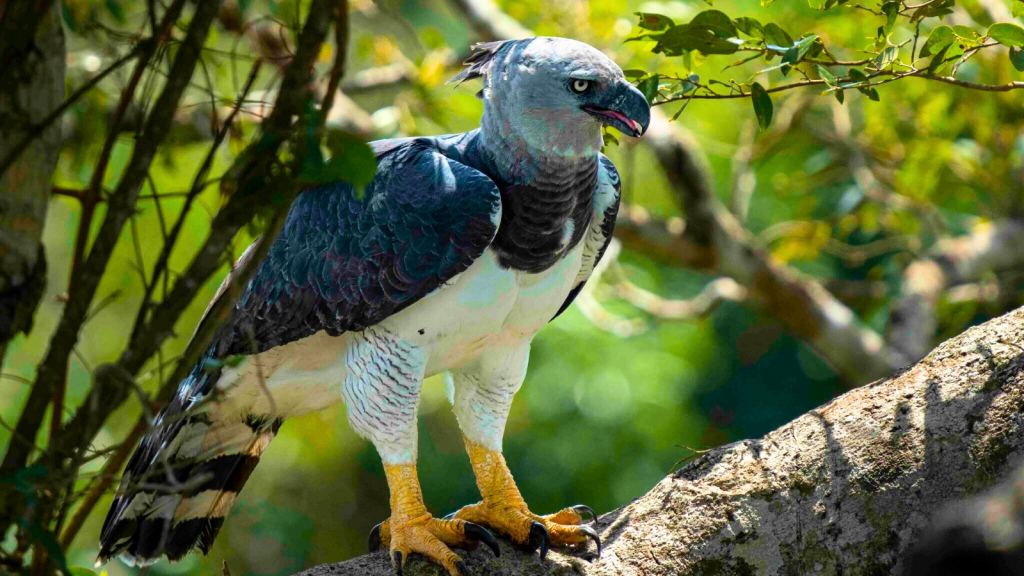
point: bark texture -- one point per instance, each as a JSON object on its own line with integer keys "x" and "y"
{"x": 32, "y": 89}
{"x": 845, "y": 489}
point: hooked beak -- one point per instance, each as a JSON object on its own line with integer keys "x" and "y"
{"x": 627, "y": 110}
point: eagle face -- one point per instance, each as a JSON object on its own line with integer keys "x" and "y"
{"x": 555, "y": 94}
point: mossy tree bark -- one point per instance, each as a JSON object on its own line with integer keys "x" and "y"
{"x": 33, "y": 87}
{"x": 845, "y": 489}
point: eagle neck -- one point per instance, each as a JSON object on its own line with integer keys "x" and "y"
{"x": 546, "y": 200}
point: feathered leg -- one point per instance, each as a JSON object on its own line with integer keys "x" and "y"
{"x": 482, "y": 399}
{"x": 381, "y": 392}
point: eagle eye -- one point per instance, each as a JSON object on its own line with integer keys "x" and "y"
{"x": 580, "y": 86}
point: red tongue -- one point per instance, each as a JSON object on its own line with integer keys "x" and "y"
{"x": 621, "y": 118}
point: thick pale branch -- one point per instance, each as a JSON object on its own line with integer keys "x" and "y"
{"x": 991, "y": 248}
{"x": 800, "y": 303}
{"x": 846, "y": 488}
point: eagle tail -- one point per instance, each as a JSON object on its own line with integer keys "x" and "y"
{"x": 180, "y": 484}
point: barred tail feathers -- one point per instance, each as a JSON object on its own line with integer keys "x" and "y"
{"x": 180, "y": 485}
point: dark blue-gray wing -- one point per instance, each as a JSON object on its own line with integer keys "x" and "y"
{"x": 602, "y": 225}
{"x": 346, "y": 261}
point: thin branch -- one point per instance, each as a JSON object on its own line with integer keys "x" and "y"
{"x": 119, "y": 208}
{"x": 254, "y": 171}
{"x": 338, "y": 68}
{"x": 198, "y": 184}
{"x": 104, "y": 481}
{"x": 893, "y": 76}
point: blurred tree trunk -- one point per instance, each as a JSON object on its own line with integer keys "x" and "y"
{"x": 31, "y": 87}
{"x": 845, "y": 489}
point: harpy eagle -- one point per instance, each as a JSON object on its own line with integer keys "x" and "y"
{"x": 458, "y": 252}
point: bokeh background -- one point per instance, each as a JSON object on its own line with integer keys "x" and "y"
{"x": 603, "y": 415}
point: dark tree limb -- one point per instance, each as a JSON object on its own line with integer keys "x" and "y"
{"x": 33, "y": 87}
{"x": 120, "y": 206}
{"x": 845, "y": 489}
{"x": 254, "y": 186}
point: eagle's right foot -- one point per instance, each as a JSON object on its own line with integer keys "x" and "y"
{"x": 412, "y": 529}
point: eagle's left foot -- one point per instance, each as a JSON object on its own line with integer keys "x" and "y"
{"x": 504, "y": 510}
{"x": 412, "y": 529}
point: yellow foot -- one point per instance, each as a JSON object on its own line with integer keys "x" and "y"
{"x": 512, "y": 518}
{"x": 431, "y": 538}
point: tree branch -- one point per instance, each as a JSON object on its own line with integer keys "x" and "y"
{"x": 254, "y": 185}
{"x": 800, "y": 303}
{"x": 36, "y": 86}
{"x": 119, "y": 208}
{"x": 846, "y": 488}
{"x": 992, "y": 247}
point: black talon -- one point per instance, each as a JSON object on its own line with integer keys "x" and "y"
{"x": 463, "y": 569}
{"x": 481, "y": 534}
{"x": 374, "y": 540}
{"x": 581, "y": 509}
{"x": 539, "y": 534}
{"x": 396, "y": 557}
{"x": 592, "y": 534}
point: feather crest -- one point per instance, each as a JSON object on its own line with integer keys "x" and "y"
{"x": 479, "y": 62}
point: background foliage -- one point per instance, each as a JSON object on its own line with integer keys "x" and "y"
{"x": 848, "y": 194}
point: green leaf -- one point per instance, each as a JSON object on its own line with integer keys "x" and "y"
{"x": 762, "y": 105}
{"x": 352, "y": 160}
{"x": 796, "y": 53}
{"x": 968, "y": 34}
{"x": 774, "y": 34}
{"x": 1007, "y": 34}
{"x": 840, "y": 96}
{"x": 680, "y": 111}
{"x": 37, "y": 533}
{"x": 891, "y": 11}
{"x": 634, "y": 73}
{"x": 716, "y": 21}
{"x": 932, "y": 10}
{"x": 750, "y": 27}
{"x": 818, "y": 4}
{"x": 1017, "y": 58}
{"x": 825, "y": 75}
{"x": 649, "y": 88}
{"x": 639, "y": 37}
{"x": 116, "y": 10}
{"x": 857, "y": 76}
{"x": 686, "y": 86}
{"x": 656, "y": 22}
{"x": 610, "y": 139}
{"x": 947, "y": 55}
{"x": 79, "y": 571}
{"x": 690, "y": 37}
{"x": 1018, "y": 9}
{"x": 887, "y": 57}
{"x": 860, "y": 79}
{"x": 937, "y": 61}
{"x": 938, "y": 40}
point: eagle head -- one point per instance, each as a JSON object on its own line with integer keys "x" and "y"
{"x": 555, "y": 94}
